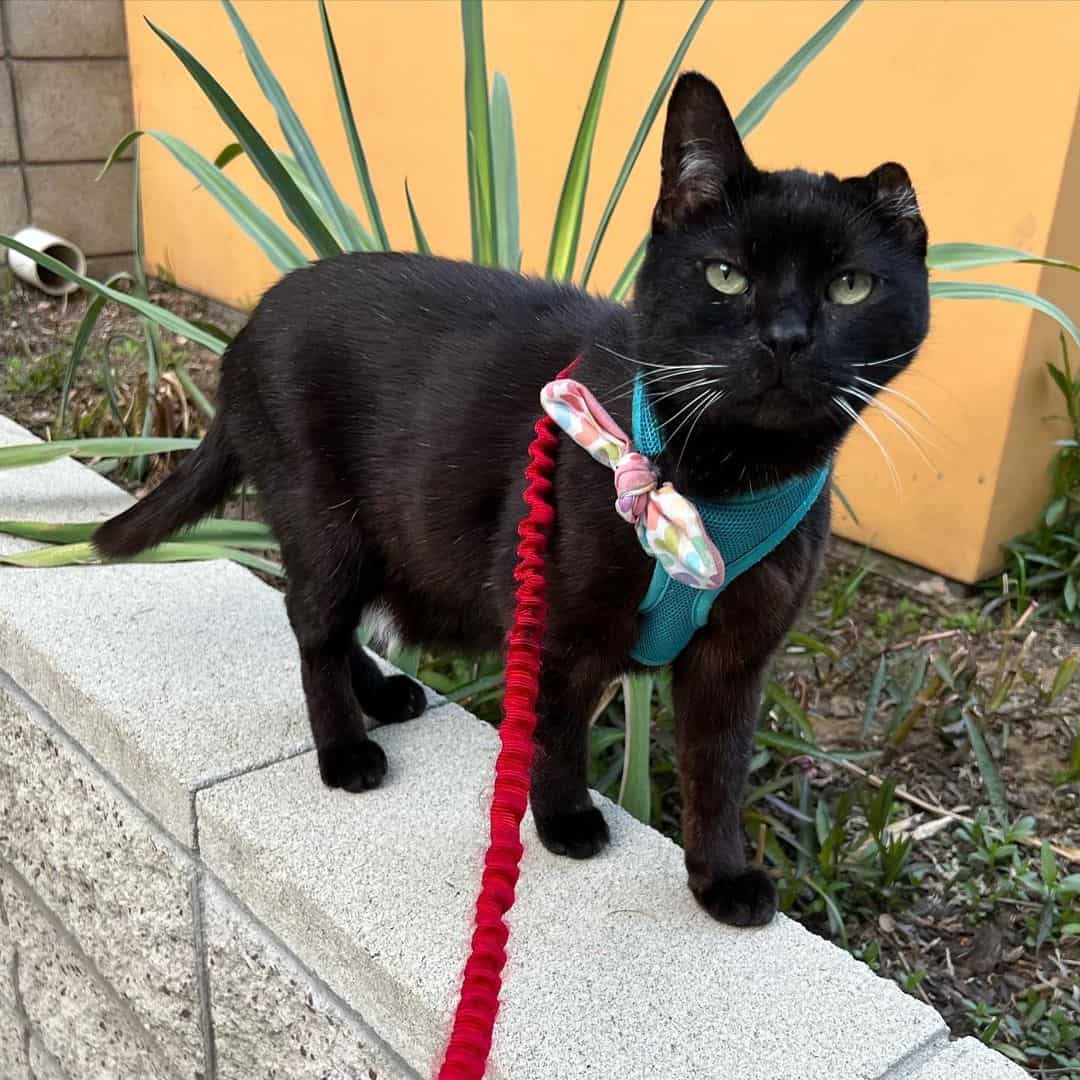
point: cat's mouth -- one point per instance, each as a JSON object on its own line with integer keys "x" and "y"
{"x": 781, "y": 406}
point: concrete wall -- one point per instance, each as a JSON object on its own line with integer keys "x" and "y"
{"x": 65, "y": 101}
{"x": 181, "y": 898}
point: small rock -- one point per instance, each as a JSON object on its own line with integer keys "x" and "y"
{"x": 886, "y": 922}
{"x": 842, "y": 706}
{"x": 933, "y": 586}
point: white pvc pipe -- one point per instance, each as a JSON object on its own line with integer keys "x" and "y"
{"x": 24, "y": 268}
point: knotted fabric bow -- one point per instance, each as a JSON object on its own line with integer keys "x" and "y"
{"x": 668, "y": 527}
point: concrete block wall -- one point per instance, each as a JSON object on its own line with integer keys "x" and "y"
{"x": 181, "y": 898}
{"x": 65, "y": 101}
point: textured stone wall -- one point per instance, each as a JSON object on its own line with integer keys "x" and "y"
{"x": 182, "y": 899}
{"x": 65, "y": 101}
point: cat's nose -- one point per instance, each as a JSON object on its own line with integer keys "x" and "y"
{"x": 785, "y": 336}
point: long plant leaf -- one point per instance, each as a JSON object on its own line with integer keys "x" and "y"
{"x": 78, "y": 348}
{"x": 229, "y": 152}
{"x": 971, "y": 256}
{"x": 296, "y": 174}
{"x": 485, "y": 244}
{"x": 629, "y": 272}
{"x": 658, "y": 99}
{"x": 296, "y": 135}
{"x": 635, "y": 791}
{"x": 478, "y": 686}
{"x": 776, "y": 740}
{"x": 995, "y": 788}
{"x": 198, "y": 398}
{"x": 969, "y": 290}
{"x": 159, "y": 314}
{"x": 757, "y": 108}
{"x": 567, "y": 229}
{"x": 759, "y": 105}
{"x": 245, "y": 534}
{"x": 151, "y": 334}
{"x": 352, "y": 135}
{"x": 275, "y": 243}
{"x": 504, "y": 167}
{"x": 15, "y": 457}
{"x": 292, "y": 167}
{"x": 84, "y": 554}
{"x": 421, "y": 240}
{"x": 297, "y": 208}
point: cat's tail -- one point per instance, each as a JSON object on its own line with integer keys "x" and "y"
{"x": 201, "y": 482}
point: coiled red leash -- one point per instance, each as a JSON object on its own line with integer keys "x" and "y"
{"x": 470, "y": 1038}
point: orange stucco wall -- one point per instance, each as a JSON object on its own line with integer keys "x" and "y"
{"x": 978, "y": 99}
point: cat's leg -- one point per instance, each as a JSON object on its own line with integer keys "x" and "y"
{"x": 716, "y": 708}
{"x": 387, "y": 699}
{"x": 325, "y": 598}
{"x": 566, "y": 820}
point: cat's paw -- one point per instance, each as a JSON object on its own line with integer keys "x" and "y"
{"x": 397, "y": 699}
{"x": 355, "y": 766}
{"x": 579, "y": 834}
{"x": 747, "y": 898}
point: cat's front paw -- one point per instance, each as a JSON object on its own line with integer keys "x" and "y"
{"x": 397, "y": 699}
{"x": 747, "y": 898}
{"x": 355, "y": 766}
{"x": 579, "y": 834}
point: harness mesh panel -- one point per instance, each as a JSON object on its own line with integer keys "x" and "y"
{"x": 745, "y": 528}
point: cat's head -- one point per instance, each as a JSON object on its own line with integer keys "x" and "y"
{"x": 804, "y": 289}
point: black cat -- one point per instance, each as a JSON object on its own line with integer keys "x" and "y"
{"x": 383, "y": 405}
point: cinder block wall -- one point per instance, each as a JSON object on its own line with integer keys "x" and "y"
{"x": 65, "y": 101}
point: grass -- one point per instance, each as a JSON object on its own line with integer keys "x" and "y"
{"x": 1045, "y": 562}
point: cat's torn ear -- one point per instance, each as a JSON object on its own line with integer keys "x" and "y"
{"x": 893, "y": 195}
{"x": 701, "y": 155}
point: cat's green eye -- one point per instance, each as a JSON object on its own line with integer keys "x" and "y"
{"x": 724, "y": 278}
{"x": 851, "y": 288}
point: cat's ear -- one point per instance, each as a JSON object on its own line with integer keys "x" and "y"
{"x": 702, "y": 153}
{"x": 893, "y": 196}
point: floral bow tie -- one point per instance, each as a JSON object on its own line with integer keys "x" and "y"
{"x": 668, "y": 527}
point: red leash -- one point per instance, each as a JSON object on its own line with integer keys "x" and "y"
{"x": 470, "y": 1038}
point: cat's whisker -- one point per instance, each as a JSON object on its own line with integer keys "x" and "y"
{"x": 898, "y": 419}
{"x": 655, "y": 381}
{"x": 670, "y": 393}
{"x": 846, "y": 407}
{"x": 705, "y": 356}
{"x": 912, "y": 403}
{"x": 645, "y": 383}
{"x": 667, "y": 373}
{"x": 622, "y": 356}
{"x": 912, "y": 434}
{"x": 704, "y": 394}
{"x": 682, "y": 389}
{"x": 717, "y": 395}
{"x": 887, "y": 360}
{"x": 643, "y": 363}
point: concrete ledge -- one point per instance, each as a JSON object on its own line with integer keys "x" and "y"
{"x": 163, "y": 828}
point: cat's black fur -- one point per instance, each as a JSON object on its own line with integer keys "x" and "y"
{"x": 383, "y": 406}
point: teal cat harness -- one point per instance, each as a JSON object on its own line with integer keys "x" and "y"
{"x": 745, "y": 528}
{"x": 699, "y": 548}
